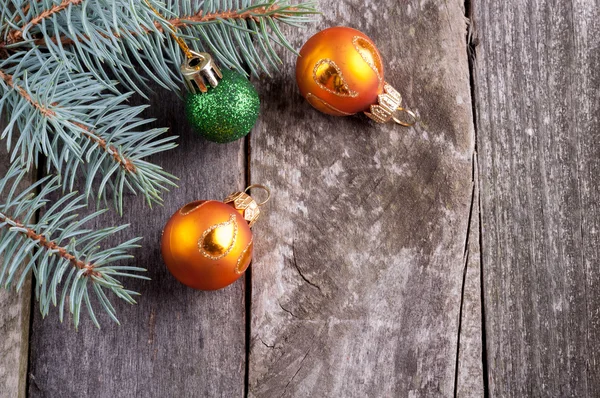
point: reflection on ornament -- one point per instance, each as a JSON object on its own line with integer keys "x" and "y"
{"x": 217, "y": 241}
{"x": 369, "y": 53}
{"x": 330, "y": 78}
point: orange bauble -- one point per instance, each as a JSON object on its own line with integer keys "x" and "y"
{"x": 339, "y": 71}
{"x": 207, "y": 245}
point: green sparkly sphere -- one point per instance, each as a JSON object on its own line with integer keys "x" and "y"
{"x": 225, "y": 113}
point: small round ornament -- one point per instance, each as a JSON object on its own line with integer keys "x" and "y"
{"x": 340, "y": 72}
{"x": 208, "y": 244}
{"x": 221, "y": 106}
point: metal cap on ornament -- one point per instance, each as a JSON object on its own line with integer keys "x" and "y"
{"x": 200, "y": 70}
{"x": 389, "y": 107}
{"x": 246, "y": 205}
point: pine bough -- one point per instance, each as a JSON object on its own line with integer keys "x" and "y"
{"x": 67, "y": 116}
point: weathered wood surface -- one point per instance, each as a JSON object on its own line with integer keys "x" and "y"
{"x": 359, "y": 258}
{"x": 176, "y": 342}
{"x": 537, "y": 76}
{"x": 14, "y": 329}
{"x": 14, "y": 325}
{"x": 367, "y": 272}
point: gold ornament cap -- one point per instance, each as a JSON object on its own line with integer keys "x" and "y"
{"x": 389, "y": 107}
{"x": 198, "y": 71}
{"x": 246, "y": 205}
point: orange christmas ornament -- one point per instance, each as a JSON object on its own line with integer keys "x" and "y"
{"x": 208, "y": 244}
{"x": 340, "y": 72}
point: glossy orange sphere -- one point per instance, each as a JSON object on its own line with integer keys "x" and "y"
{"x": 207, "y": 245}
{"x": 339, "y": 71}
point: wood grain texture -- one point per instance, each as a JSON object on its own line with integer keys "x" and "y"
{"x": 359, "y": 257}
{"x": 176, "y": 342}
{"x": 470, "y": 373}
{"x": 537, "y": 78}
{"x": 14, "y": 325}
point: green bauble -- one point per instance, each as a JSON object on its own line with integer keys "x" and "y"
{"x": 225, "y": 113}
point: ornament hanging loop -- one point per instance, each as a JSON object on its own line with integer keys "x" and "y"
{"x": 199, "y": 71}
{"x": 409, "y": 120}
{"x": 260, "y": 186}
{"x": 184, "y": 47}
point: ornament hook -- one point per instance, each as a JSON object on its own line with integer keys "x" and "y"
{"x": 410, "y": 121}
{"x": 264, "y": 188}
{"x": 198, "y": 70}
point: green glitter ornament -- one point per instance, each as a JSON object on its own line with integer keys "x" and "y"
{"x": 223, "y": 110}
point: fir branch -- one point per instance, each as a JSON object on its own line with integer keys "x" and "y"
{"x": 73, "y": 123}
{"x": 24, "y": 10}
{"x": 17, "y": 34}
{"x": 48, "y": 245}
{"x": 238, "y": 34}
{"x": 59, "y": 60}
{"x": 123, "y": 161}
{"x": 8, "y": 79}
{"x": 275, "y": 11}
{"x": 57, "y": 243}
{"x": 272, "y": 10}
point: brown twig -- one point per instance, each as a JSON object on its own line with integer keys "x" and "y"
{"x": 254, "y": 14}
{"x": 15, "y": 36}
{"x": 53, "y": 246}
{"x": 9, "y": 80}
{"x": 125, "y": 163}
{"x": 110, "y": 149}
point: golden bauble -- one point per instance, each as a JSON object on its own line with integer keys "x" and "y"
{"x": 207, "y": 245}
{"x": 339, "y": 71}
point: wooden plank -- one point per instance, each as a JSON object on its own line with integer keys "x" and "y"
{"x": 177, "y": 341}
{"x": 359, "y": 257}
{"x": 14, "y": 325}
{"x": 537, "y": 75}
